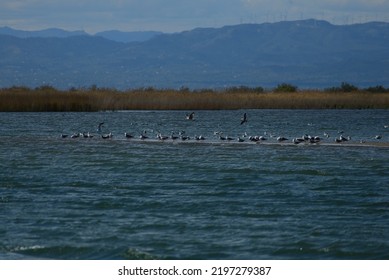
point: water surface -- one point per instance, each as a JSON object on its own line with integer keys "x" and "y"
{"x": 131, "y": 199}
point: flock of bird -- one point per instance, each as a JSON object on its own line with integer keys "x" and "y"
{"x": 307, "y": 139}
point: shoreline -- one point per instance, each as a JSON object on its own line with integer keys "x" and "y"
{"x": 368, "y": 144}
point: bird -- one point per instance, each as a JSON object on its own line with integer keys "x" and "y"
{"x": 100, "y": 126}
{"x": 173, "y": 137}
{"x": 298, "y": 140}
{"x": 243, "y": 119}
{"x": 128, "y": 135}
{"x": 64, "y": 135}
{"x": 314, "y": 139}
{"x": 199, "y": 137}
{"x": 162, "y": 137}
{"x": 107, "y": 136}
{"x": 143, "y": 136}
{"x": 378, "y": 137}
{"x": 190, "y": 116}
{"x": 280, "y": 139}
{"x": 342, "y": 139}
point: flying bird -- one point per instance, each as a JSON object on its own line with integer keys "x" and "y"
{"x": 243, "y": 119}
{"x": 100, "y": 126}
{"x": 190, "y": 116}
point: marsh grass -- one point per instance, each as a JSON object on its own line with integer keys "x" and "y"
{"x": 95, "y": 99}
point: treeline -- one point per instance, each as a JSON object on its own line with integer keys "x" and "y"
{"x": 283, "y": 87}
{"x": 284, "y": 96}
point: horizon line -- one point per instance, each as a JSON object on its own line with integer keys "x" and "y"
{"x": 185, "y": 30}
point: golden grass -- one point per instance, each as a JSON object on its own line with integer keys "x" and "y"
{"x": 50, "y": 99}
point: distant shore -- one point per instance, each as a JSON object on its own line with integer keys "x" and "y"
{"x": 47, "y": 98}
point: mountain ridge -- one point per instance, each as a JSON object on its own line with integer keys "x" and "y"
{"x": 309, "y": 53}
{"x": 114, "y": 35}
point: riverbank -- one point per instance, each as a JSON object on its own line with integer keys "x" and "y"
{"x": 46, "y": 99}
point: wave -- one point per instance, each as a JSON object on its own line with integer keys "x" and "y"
{"x": 37, "y": 252}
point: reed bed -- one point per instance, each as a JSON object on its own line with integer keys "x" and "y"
{"x": 94, "y": 99}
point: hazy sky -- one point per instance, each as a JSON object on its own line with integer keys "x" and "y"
{"x": 179, "y": 15}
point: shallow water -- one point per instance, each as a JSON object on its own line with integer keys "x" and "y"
{"x": 132, "y": 199}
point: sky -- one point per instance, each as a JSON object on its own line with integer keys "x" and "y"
{"x": 178, "y": 15}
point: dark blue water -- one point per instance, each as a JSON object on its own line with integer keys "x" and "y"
{"x": 131, "y": 199}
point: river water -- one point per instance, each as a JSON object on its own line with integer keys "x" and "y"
{"x": 119, "y": 198}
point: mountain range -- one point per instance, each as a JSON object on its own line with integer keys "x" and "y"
{"x": 114, "y": 35}
{"x": 306, "y": 53}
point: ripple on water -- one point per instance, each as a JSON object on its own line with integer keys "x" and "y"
{"x": 124, "y": 199}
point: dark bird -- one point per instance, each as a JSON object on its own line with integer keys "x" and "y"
{"x": 298, "y": 140}
{"x": 190, "y": 116}
{"x": 243, "y": 119}
{"x": 107, "y": 136}
{"x": 100, "y": 126}
{"x": 281, "y": 138}
{"x": 128, "y": 135}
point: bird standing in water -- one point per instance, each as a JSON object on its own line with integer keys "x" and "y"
{"x": 243, "y": 119}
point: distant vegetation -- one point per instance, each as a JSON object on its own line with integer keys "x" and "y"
{"x": 284, "y": 96}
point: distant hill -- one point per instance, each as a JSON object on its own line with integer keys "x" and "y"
{"x": 307, "y": 53}
{"x": 114, "y": 35}
{"x": 127, "y": 37}
{"x": 51, "y": 32}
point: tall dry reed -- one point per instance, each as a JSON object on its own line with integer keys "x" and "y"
{"x": 50, "y": 99}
